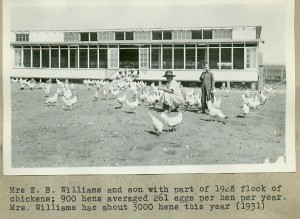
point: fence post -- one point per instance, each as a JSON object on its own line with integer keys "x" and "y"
{"x": 261, "y": 78}
{"x": 228, "y": 84}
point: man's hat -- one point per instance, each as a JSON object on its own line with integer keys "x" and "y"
{"x": 169, "y": 73}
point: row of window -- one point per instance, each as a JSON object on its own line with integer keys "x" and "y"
{"x": 141, "y": 35}
{"x": 22, "y": 37}
{"x": 150, "y": 35}
{"x": 147, "y": 58}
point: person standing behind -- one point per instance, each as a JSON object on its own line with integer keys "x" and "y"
{"x": 208, "y": 86}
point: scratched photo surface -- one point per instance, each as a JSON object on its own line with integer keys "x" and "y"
{"x": 86, "y": 93}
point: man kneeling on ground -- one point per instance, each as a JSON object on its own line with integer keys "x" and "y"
{"x": 172, "y": 97}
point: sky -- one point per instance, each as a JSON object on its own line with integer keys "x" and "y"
{"x": 180, "y": 14}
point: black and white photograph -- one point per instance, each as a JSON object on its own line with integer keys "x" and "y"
{"x": 137, "y": 87}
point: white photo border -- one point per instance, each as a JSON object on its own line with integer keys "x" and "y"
{"x": 289, "y": 166}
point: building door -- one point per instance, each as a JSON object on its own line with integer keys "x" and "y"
{"x": 113, "y": 58}
{"x": 251, "y": 58}
{"x": 129, "y": 58}
{"x": 144, "y": 57}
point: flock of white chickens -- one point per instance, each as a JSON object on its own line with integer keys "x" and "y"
{"x": 124, "y": 88}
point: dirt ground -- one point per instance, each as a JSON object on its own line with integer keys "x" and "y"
{"x": 95, "y": 134}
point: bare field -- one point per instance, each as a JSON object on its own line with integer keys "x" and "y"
{"x": 95, "y": 134}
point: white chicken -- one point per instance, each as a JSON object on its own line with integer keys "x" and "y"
{"x": 245, "y": 109}
{"x": 157, "y": 124}
{"x": 134, "y": 92}
{"x": 254, "y": 103}
{"x": 263, "y": 97}
{"x": 52, "y": 100}
{"x": 246, "y": 99}
{"x": 143, "y": 96}
{"x": 216, "y": 102}
{"x": 48, "y": 85}
{"x": 152, "y": 99}
{"x": 198, "y": 100}
{"x": 172, "y": 121}
{"x": 72, "y": 86}
{"x": 22, "y": 86}
{"x": 96, "y": 95}
{"x": 153, "y": 87}
{"x": 59, "y": 83}
{"x": 226, "y": 92}
{"x": 14, "y": 80}
{"x": 114, "y": 92}
{"x": 132, "y": 105}
{"x": 268, "y": 90}
{"x": 122, "y": 99}
{"x": 31, "y": 85}
{"x": 104, "y": 92}
{"x": 47, "y": 91}
{"x": 41, "y": 85}
{"x": 247, "y": 94}
{"x": 215, "y": 113}
{"x": 190, "y": 99}
{"x": 70, "y": 102}
{"x": 59, "y": 91}
{"x": 280, "y": 160}
{"x": 267, "y": 161}
{"x": 67, "y": 93}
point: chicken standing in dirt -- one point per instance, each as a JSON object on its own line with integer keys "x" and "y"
{"x": 208, "y": 85}
{"x": 70, "y": 102}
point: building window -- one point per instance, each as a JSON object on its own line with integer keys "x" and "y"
{"x": 93, "y": 57}
{"x": 45, "y": 58}
{"x": 181, "y": 35}
{"x": 190, "y": 58}
{"x": 84, "y": 36}
{"x": 167, "y": 58}
{"x": 18, "y": 57}
{"x": 207, "y": 34}
{"x": 225, "y": 58}
{"x": 54, "y": 58}
{"x": 27, "y": 57}
{"x": 69, "y": 36}
{"x": 35, "y": 58}
{"x": 93, "y": 36}
{"x": 196, "y": 34}
{"x": 156, "y": 58}
{"x": 201, "y": 57}
{"x": 178, "y": 58}
{"x": 250, "y": 57}
{"x": 64, "y": 58}
{"x": 102, "y": 58}
{"x": 83, "y": 58}
{"x": 143, "y": 58}
{"x": 167, "y": 35}
{"x": 22, "y": 37}
{"x": 119, "y": 35}
{"x": 105, "y": 36}
{"x": 222, "y": 34}
{"x": 238, "y": 58}
{"x": 214, "y": 58}
{"x": 156, "y": 35}
{"x": 251, "y": 45}
{"x": 129, "y": 35}
{"x": 74, "y": 58}
{"x": 142, "y": 35}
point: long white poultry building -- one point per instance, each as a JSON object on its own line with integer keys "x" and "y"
{"x": 232, "y": 53}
